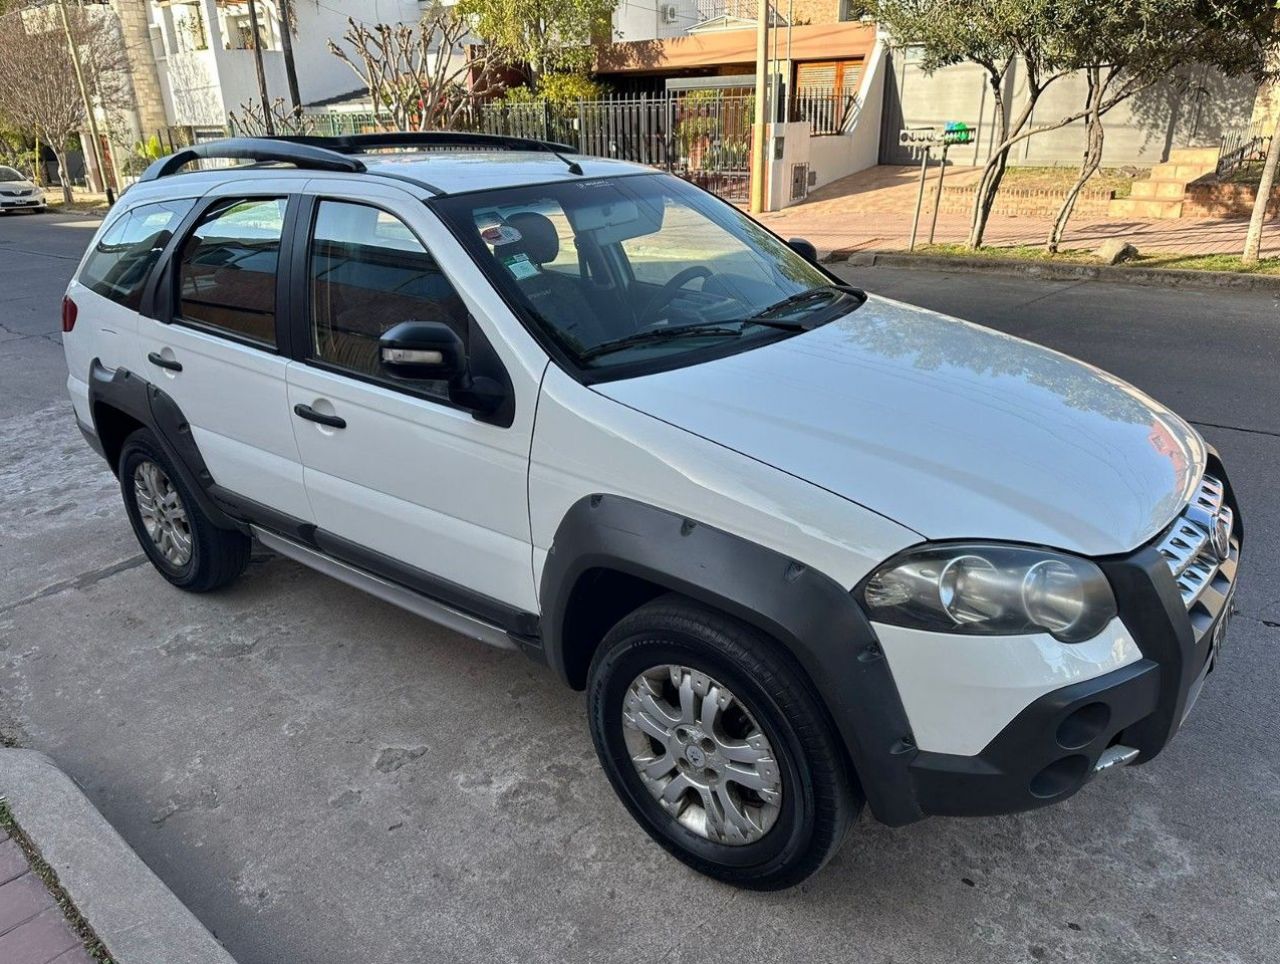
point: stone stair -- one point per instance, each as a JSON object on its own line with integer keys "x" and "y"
{"x": 1163, "y": 194}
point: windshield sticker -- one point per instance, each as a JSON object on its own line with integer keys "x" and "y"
{"x": 496, "y": 234}
{"x": 521, "y": 267}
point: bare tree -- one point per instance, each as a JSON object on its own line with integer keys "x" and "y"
{"x": 39, "y": 96}
{"x": 419, "y": 77}
{"x": 252, "y": 122}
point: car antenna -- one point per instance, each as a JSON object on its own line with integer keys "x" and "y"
{"x": 574, "y": 166}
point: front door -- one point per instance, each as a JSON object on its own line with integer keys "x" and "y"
{"x": 217, "y": 350}
{"x": 400, "y": 478}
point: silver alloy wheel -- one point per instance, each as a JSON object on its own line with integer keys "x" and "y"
{"x": 702, "y": 755}
{"x": 162, "y": 512}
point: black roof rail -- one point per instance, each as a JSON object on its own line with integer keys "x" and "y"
{"x": 313, "y": 156}
{"x": 358, "y": 143}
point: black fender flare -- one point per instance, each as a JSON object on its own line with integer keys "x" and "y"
{"x": 148, "y": 404}
{"x": 812, "y": 616}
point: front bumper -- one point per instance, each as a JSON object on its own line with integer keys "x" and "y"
{"x": 1053, "y": 747}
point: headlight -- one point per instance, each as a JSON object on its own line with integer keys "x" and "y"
{"x": 992, "y": 590}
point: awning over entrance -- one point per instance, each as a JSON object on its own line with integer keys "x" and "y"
{"x": 828, "y": 41}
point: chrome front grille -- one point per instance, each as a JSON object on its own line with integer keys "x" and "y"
{"x": 1200, "y": 541}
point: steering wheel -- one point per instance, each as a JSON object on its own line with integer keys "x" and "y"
{"x": 672, "y": 287}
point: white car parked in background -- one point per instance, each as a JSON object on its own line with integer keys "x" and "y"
{"x": 805, "y": 548}
{"x": 19, "y": 192}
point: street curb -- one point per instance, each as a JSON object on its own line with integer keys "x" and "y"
{"x": 1162, "y": 277}
{"x": 132, "y": 911}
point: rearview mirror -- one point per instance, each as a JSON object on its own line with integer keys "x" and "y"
{"x": 803, "y": 248}
{"x": 432, "y": 351}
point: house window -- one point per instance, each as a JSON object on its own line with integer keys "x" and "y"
{"x": 826, "y": 94}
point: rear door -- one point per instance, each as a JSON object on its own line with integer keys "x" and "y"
{"x": 410, "y": 485}
{"x": 220, "y": 345}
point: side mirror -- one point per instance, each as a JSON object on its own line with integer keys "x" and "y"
{"x": 803, "y": 248}
{"x": 432, "y": 351}
{"x": 429, "y": 350}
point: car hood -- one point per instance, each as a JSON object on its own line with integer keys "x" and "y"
{"x": 16, "y": 185}
{"x": 951, "y": 429}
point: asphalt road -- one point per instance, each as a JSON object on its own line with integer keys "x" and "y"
{"x": 322, "y": 777}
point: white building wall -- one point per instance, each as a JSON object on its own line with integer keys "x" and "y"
{"x": 654, "y": 19}
{"x": 199, "y": 86}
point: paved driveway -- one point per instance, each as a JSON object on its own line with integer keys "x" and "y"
{"x": 324, "y": 778}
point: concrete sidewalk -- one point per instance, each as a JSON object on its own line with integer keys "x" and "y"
{"x": 127, "y": 907}
{"x": 873, "y": 210}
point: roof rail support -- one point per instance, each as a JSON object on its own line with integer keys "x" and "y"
{"x": 312, "y": 156}
{"x": 358, "y": 143}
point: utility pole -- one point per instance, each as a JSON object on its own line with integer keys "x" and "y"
{"x": 286, "y": 46}
{"x": 88, "y": 104}
{"x": 267, "y": 121}
{"x": 759, "y": 140}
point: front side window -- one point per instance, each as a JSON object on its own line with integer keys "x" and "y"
{"x": 369, "y": 272}
{"x": 119, "y": 262}
{"x": 632, "y": 273}
{"x": 227, "y": 279}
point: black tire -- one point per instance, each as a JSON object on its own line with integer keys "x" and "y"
{"x": 217, "y": 556}
{"x": 820, "y": 798}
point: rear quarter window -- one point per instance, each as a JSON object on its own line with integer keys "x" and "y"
{"x": 121, "y": 259}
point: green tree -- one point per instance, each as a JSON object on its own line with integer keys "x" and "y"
{"x": 541, "y": 36}
{"x": 996, "y": 35}
{"x": 1124, "y": 49}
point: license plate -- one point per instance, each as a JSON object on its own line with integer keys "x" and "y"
{"x": 1220, "y": 630}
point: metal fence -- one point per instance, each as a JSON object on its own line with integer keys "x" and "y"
{"x": 1242, "y": 147}
{"x": 703, "y": 136}
{"x": 829, "y": 110}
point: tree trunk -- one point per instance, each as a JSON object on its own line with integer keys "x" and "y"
{"x": 1253, "y": 240}
{"x": 63, "y": 177}
{"x": 286, "y": 48}
{"x": 1094, "y": 136}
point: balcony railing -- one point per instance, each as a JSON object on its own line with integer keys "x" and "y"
{"x": 714, "y": 9}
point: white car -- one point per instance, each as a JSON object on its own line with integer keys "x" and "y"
{"x": 19, "y": 192}
{"x": 805, "y": 548}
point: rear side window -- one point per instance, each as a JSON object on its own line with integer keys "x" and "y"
{"x": 119, "y": 263}
{"x": 227, "y": 273}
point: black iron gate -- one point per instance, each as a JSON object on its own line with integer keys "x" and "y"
{"x": 701, "y": 135}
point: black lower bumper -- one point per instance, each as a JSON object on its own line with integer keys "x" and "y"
{"x": 1050, "y": 750}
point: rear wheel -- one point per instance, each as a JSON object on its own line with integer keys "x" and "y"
{"x": 717, "y": 745}
{"x": 179, "y": 539}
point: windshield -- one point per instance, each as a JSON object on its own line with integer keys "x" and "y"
{"x": 628, "y": 272}
{"x": 9, "y": 174}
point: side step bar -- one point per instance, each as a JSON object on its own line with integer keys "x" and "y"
{"x": 387, "y": 591}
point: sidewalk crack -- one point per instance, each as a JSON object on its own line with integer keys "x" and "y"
{"x": 82, "y": 581}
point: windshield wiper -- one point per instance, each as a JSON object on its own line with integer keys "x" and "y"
{"x": 800, "y": 297}
{"x": 660, "y": 334}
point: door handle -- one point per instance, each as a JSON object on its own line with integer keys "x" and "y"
{"x": 170, "y": 363}
{"x": 311, "y": 415}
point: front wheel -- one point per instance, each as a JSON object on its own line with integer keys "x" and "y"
{"x": 718, "y": 745}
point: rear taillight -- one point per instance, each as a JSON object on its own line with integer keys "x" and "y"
{"x": 69, "y": 311}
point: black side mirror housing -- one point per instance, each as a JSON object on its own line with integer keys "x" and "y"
{"x": 803, "y": 248}
{"x": 428, "y": 350}
{"x": 432, "y": 351}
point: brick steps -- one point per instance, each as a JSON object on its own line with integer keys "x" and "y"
{"x": 1165, "y": 193}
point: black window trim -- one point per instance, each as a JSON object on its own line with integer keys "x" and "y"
{"x": 300, "y": 302}
{"x": 160, "y": 299}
